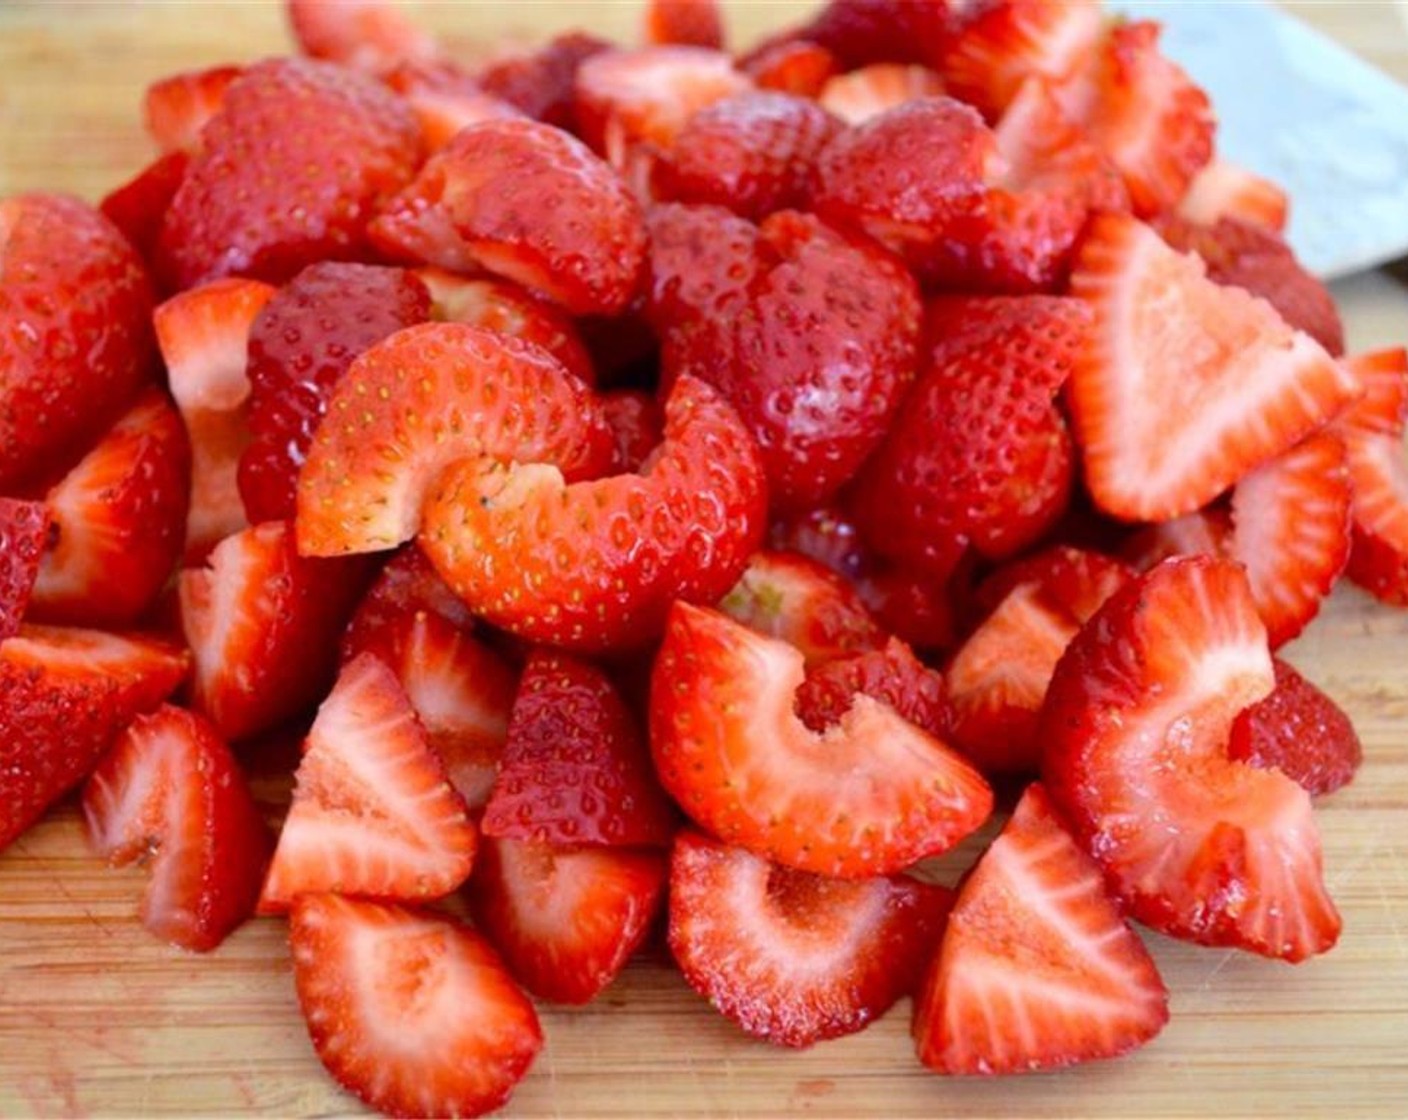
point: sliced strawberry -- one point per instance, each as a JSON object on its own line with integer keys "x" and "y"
{"x": 138, "y": 207}
{"x": 566, "y": 920}
{"x": 1073, "y": 581}
{"x": 446, "y": 99}
{"x": 75, "y": 332}
{"x": 542, "y": 84}
{"x": 796, "y": 66}
{"x": 369, "y": 35}
{"x": 870, "y": 796}
{"x": 435, "y": 1028}
{"x": 1224, "y": 190}
{"x": 1382, "y": 407}
{"x": 1134, "y": 738}
{"x": 1038, "y": 968}
{"x": 178, "y": 108}
{"x": 857, "y": 96}
{"x": 119, "y": 520}
{"x": 372, "y": 813}
{"x": 638, "y": 424}
{"x": 1207, "y": 532}
{"x": 594, "y": 566}
{"x": 204, "y": 336}
{"x": 421, "y": 400}
{"x": 702, "y": 260}
{"x": 575, "y": 769}
{"x": 861, "y": 32}
{"x": 891, "y": 674}
{"x": 262, "y": 623}
{"x": 690, "y": 23}
{"x": 289, "y": 172}
{"x": 300, "y": 346}
{"x": 171, "y": 792}
{"x": 64, "y": 696}
{"x": 795, "y": 958}
{"x": 24, "y": 535}
{"x": 408, "y": 585}
{"x": 1186, "y": 385}
{"x": 793, "y": 597}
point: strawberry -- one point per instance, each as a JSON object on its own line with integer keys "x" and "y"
{"x": 575, "y": 769}
{"x": 817, "y": 357}
{"x": 1206, "y": 532}
{"x": 594, "y": 566}
{"x": 372, "y": 814}
{"x": 64, "y": 696}
{"x": 500, "y": 305}
{"x": 1072, "y": 581}
{"x": 437, "y": 1029}
{"x": 702, "y": 260}
{"x": 369, "y": 35}
{"x": 796, "y": 66}
{"x": 1134, "y": 737}
{"x": 1298, "y": 730}
{"x": 138, "y": 207}
{"x": 869, "y": 797}
{"x": 1171, "y": 408}
{"x": 408, "y": 585}
{"x": 637, "y": 422}
{"x": 1224, "y": 190}
{"x": 1373, "y": 436}
{"x": 262, "y": 623}
{"x": 890, "y": 674}
{"x": 24, "y": 535}
{"x": 119, "y": 519}
{"x": 861, "y": 32}
{"x": 528, "y": 202}
{"x": 690, "y": 23}
{"x": 980, "y": 453}
{"x": 289, "y": 172}
{"x": 792, "y": 597}
{"x": 543, "y": 84}
{"x": 445, "y": 99}
{"x": 1248, "y": 256}
{"x": 1038, "y": 968}
{"x": 1382, "y": 406}
{"x": 170, "y": 791}
{"x": 858, "y": 96}
{"x": 75, "y": 332}
{"x": 472, "y": 393}
{"x": 203, "y": 334}
{"x": 795, "y": 958}
{"x": 301, "y": 345}
{"x": 178, "y": 108}
{"x": 566, "y": 920}
{"x": 753, "y": 153}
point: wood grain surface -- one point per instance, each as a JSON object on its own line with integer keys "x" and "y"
{"x": 96, "y": 1019}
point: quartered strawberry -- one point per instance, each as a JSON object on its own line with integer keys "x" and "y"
{"x": 870, "y": 796}
{"x": 575, "y": 769}
{"x": 204, "y": 336}
{"x": 75, "y": 331}
{"x": 1186, "y": 385}
{"x": 1257, "y": 259}
{"x": 64, "y": 697}
{"x": 445, "y": 99}
{"x": 594, "y": 566}
{"x": 1224, "y": 190}
{"x": 753, "y": 153}
{"x": 890, "y": 674}
{"x": 1038, "y": 968}
{"x": 565, "y": 920}
{"x": 370, "y": 35}
{"x": 24, "y": 535}
{"x": 529, "y": 202}
{"x": 407, "y": 585}
{"x": 425, "y": 398}
{"x": 262, "y": 623}
{"x": 791, "y": 957}
{"x": 861, "y": 32}
{"x": 690, "y": 23}
{"x": 1298, "y": 730}
{"x": 300, "y": 346}
{"x": 792, "y": 597}
{"x": 170, "y": 793}
{"x": 177, "y": 109}
{"x": 290, "y": 171}
{"x": 542, "y": 83}
{"x": 138, "y": 206}
{"x": 637, "y": 422}
{"x": 857, "y": 96}
{"x": 1074, "y": 581}
{"x": 119, "y": 521}
{"x": 372, "y": 813}
{"x": 796, "y": 66}
{"x": 1135, "y": 754}
{"x": 436, "y": 1028}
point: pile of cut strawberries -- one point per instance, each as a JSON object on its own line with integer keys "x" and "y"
{"x": 669, "y": 487}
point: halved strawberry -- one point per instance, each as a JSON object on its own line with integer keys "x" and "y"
{"x": 369, "y": 35}
{"x": 1186, "y": 385}
{"x": 423, "y": 399}
{"x": 796, "y": 66}
{"x": 690, "y": 23}
{"x": 64, "y": 696}
{"x": 24, "y": 535}
{"x": 857, "y": 96}
{"x": 1224, "y": 190}
{"x": 263, "y": 623}
{"x": 1038, "y": 968}
{"x": 566, "y": 920}
{"x": 1134, "y": 737}
{"x": 204, "y": 335}
{"x": 1372, "y": 431}
{"x": 119, "y": 519}
{"x": 543, "y": 83}
{"x": 445, "y": 100}
{"x": 870, "y": 796}
{"x": 594, "y": 566}
{"x": 1074, "y": 581}
{"x": 177, "y": 109}
{"x": 434, "y": 1027}
{"x": 575, "y": 769}
{"x": 301, "y": 345}
{"x": 638, "y": 424}
{"x": 795, "y": 958}
{"x": 890, "y": 674}
{"x": 138, "y": 206}
{"x": 372, "y": 813}
{"x": 170, "y": 792}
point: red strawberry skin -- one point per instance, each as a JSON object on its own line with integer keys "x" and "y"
{"x": 300, "y": 345}
{"x": 892, "y": 675}
{"x": 24, "y": 536}
{"x": 702, "y": 259}
{"x": 177, "y": 109}
{"x": 75, "y": 331}
{"x": 407, "y": 585}
{"x": 138, "y": 206}
{"x": 370, "y": 35}
{"x": 542, "y": 83}
{"x": 248, "y": 205}
{"x": 796, "y": 66}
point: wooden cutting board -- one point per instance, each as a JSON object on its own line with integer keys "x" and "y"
{"x": 97, "y": 1019}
